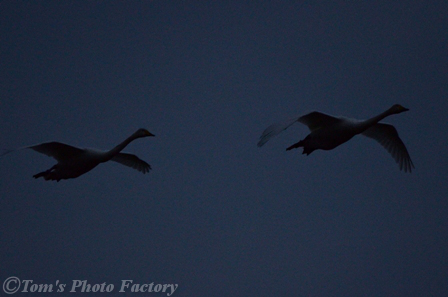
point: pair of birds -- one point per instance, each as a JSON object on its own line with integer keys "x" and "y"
{"x": 327, "y": 132}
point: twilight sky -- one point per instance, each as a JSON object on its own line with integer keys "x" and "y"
{"x": 217, "y": 215}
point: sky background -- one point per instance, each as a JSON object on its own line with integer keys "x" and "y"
{"x": 217, "y": 215}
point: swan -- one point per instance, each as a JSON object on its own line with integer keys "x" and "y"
{"x": 328, "y": 132}
{"x": 73, "y": 161}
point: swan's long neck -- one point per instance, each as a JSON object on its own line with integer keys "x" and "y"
{"x": 364, "y": 125}
{"x": 110, "y": 154}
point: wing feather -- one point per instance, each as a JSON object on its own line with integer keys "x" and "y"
{"x": 132, "y": 161}
{"x": 387, "y": 136}
{"x": 274, "y": 130}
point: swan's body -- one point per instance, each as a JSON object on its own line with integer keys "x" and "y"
{"x": 73, "y": 161}
{"x": 328, "y": 132}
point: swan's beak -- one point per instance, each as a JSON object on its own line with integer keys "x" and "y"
{"x": 149, "y": 133}
{"x": 405, "y": 109}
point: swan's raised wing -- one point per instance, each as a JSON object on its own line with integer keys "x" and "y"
{"x": 313, "y": 120}
{"x": 274, "y": 130}
{"x": 132, "y": 161}
{"x": 316, "y": 120}
{"x": 388, "y": 137}
{"x": 57, "y": 150}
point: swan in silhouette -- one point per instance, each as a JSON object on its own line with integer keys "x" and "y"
{"x": 73, "y": 161}
{"x": 328, "y": 132}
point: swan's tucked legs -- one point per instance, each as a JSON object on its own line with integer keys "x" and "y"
{"x": 44, "y": 173}
{"x": 295, "y": 145}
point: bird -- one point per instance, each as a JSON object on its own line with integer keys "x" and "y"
{"x": 73, "y": 161}
{"x": 328, "y": 132}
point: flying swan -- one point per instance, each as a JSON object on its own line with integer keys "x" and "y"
{"x": 73, "y": 161}
{"x": 328, "y": 132}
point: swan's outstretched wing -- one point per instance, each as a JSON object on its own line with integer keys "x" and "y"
{"x": 388, "y": 137}
{"x": 274, "y": 130}
{"x": 57, "y": 150}
{"x": 132, "y": 161}
{"x": 316, "y": 120}
{"x": 313, "y": 120}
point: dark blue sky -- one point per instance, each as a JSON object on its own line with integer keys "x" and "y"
{"x": 217, "y": 215}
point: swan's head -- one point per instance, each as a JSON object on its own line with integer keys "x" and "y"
{"x": 397, "y": 108}
{"x": 142, "y": 133}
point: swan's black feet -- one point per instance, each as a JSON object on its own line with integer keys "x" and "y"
{"x": 40, "y": 174}
{"x": 295, "y": 145}
{"x": 44, "y": 173}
